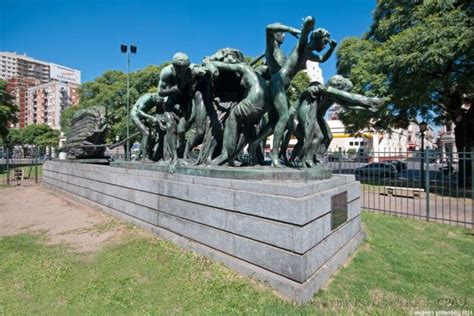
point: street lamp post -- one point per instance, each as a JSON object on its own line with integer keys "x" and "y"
{"x": 133, "y": 50}
{"x": 423, "y": 127}
{"x": 117, "y": 139}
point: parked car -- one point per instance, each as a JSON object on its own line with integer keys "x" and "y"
{"x": 377, "y": 169}
{"x": 399, "y": 164}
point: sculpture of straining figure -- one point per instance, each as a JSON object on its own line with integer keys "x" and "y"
{"x": 281, "y": 80}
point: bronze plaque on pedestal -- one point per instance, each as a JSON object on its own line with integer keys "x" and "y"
{"x": 338, "y": 209}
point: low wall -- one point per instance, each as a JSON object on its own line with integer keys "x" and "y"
{"x": 281, "y": 232}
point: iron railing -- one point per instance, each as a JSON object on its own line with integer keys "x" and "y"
{"x": 15, "y": 168}
{"x": 428, "y": 184}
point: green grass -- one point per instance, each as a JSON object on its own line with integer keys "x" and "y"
{"x": 405, "y": 265}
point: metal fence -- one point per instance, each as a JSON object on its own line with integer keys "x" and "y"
{"x": 16, "y": 169}
{"x": 426, "y": 184}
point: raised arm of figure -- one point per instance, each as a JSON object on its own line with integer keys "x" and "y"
{"x": 278, "y": 27}
{"x": 326, "y": 55}
{"x": 308, "y": 26}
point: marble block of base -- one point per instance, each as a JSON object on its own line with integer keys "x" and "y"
{"x": 292, "y": 234}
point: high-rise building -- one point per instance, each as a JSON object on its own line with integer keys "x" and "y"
{"x": 29, "y": 78}
{"x": 18, "y": 88}
{"x": 13, "y": 65}
{"x": 314, "y": 72}
{"x": 48, "y": 100}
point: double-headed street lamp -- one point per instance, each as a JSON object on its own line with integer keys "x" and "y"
{"x": 133, "y": 50}
{"x": 423, "y": 128}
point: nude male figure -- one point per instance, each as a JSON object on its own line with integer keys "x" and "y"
{"x": 281, "y": 80}
{"x": 176, "y": 87}
{"x": 247, "y": 112}
{"x": 146, "y": 122}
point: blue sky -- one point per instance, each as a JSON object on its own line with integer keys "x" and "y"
{"x": 87, "y": 34}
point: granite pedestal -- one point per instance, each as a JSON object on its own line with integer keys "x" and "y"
{"x": 292, "y": 234}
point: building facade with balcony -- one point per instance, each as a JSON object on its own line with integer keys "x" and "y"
{"x": 47, "y": 101}
{"x": 18, "y": 88}
{"x": 41, "y": 89}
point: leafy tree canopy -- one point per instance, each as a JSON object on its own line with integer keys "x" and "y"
{"x": 110, "y": 90}
{"x": 419, "y": 55}
{"x": 297, "y": 85}
{"x": 40, "y": 135}
{"x": 8, "y": 110}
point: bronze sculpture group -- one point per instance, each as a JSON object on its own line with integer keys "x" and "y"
{"x": 228, "y": 103}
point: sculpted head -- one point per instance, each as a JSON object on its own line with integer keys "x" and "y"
{"x": 228, "y": 55}
{"x": 180, "y": 61}
{"x": 319, "y": 39}
{"x": 341, "y": 83}
{"x": 279, "y": 37}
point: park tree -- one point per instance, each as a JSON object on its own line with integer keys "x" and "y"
{"x": 297, "y": 85}
{"x": 418, "y": 55}
{"x": 15, "y": 138}
{"x": 8, "y": 110}
{"x": 49, "y": 139}
{"x": 110, "y": 90}
{"x": 41, "y": 136}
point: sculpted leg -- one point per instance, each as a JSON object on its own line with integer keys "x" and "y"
{"x": 316, "y": 139}
{"x": 327, "y": 139}
{"x": 299, "y": 133}
{"x": 171, "y": 140}
{"x": 261, "y": 137}
{"x": 280, "y": 102}
{"x": 144, "y": 153}
{"x": 311, "y": 127}
{"x": 200, "y": 115}
{"x": 229, "y": 141}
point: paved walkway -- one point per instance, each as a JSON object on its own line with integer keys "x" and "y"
{"x": 456, "y": 211}
{"x": 33, "y": 208}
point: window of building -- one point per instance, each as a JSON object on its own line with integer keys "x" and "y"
{"x": 351, "y": 143}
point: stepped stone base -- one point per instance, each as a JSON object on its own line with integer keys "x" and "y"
{"x": 292, "y": 234}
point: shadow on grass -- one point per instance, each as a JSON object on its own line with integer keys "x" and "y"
{"x": 404, "y": 266}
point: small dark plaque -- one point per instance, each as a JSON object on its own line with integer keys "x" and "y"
{"x": 338, "y": 209}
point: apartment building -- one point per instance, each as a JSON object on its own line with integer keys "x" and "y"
{"x": 51, "y": 87}
{"x": 18, "y": 88}
{"x": 314, "y": 72}
{"x": 13, "y": 65}
{"x": 48, "y": 100}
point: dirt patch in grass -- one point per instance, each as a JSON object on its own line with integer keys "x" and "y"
{"x": 33, "y": 209}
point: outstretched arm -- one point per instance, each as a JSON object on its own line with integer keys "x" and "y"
{"x": 226, "y": 66}
{"x": 352, "y": 100}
